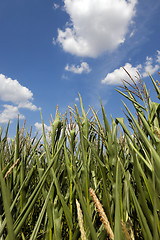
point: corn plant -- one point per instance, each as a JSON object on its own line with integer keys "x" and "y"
{"x": 89, "y": 179}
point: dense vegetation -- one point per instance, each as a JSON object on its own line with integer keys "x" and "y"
{"x": 87, "y": 180}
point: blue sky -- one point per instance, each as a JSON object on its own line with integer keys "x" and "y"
{"x": 51, "y": 50}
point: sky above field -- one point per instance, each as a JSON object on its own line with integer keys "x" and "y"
{"x": 52, "y": 50}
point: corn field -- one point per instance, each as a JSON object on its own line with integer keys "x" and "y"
{"x": 85, "y": 179}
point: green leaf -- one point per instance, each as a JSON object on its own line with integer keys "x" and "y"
{"x": 38, "y": 223}
{"x": 117, "y": 228}
{"x": 5, "y": 196}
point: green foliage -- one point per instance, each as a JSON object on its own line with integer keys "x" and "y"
{"x": 41, "y": 178}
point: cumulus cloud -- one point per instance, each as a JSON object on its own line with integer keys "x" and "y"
{"x": 83, "y": 68}
{"x": 10, "y": 112}
{"x": 28, "y": 105}
{"x": 118, "y": 75}
{"x": 96, "y": 25}
{"x": 12, "y": 91}
{"x": 21, "y": 97}
{"x": 150, "y": 66}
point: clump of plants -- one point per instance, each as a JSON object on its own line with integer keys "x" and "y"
{"x": 89, "y": 180}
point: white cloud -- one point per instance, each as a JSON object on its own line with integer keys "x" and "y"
{"x": 77, "y": 99}
{"x": 158, "y": 56}
{"x": 132, "y": 33}
{"x": 83, "y": 68}
{"x": 9, "y": 113}
{"x": 39, "y": 127}
{"x": 65, "y": 77}
{"x": 55, "y": 6}
{"x": 28, "y": 105}
{"x": 12, "y": 91}
{"x": 149, "y": 68}
{"x": 97, "y": 25}
{"x": 118, "y": 75}
{"x": 54, "y": 41}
